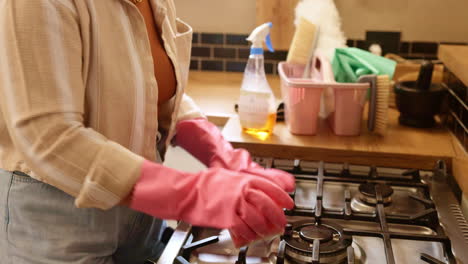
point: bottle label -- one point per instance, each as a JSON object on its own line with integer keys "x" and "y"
{"x": 253, "y": 109}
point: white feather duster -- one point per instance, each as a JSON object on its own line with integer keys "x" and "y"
{"x": 324, "y": 14}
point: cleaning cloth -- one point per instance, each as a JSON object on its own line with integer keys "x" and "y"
{"x": 351, "y": 63}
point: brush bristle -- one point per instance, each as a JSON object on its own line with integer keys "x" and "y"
{"x": 302, "y": 43}
{"x": 381, "y": 115}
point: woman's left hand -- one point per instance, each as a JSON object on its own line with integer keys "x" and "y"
{"x": 205, "y": 142}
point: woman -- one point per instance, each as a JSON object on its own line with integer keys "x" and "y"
{"x": 91, "y": 95}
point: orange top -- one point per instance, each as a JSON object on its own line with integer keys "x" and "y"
{"x": 163, "y": 68}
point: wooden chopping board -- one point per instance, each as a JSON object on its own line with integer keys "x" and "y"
{"x": 281, "y": 14}
{"x": 455, "y": 58}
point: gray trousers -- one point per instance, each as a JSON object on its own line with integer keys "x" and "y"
{"x": 39, "y": 224}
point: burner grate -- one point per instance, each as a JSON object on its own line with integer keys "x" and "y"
{"x": 411, "y": 178}
{"x": 310, "y": 242}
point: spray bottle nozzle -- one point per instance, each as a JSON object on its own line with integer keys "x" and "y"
{"x": 260, "y": 34}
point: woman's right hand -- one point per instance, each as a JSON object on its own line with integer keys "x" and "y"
{"x": 249, "y": 205}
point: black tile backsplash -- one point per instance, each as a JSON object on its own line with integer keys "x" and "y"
{"x": 194, "y": 65}
{"x": 389, "y": 41}
{"x": 453, "y": 43}
{"x": 405, "y": 47}
{"x": 420, "y": 56}
{"x": 225, "y": 53}
{"x": 229, "y": 52}
{"x": 232, "y": 39}
{"x": 195, "y": 38}
{"x": 212, "y": 65}
{"x": 211, "y": 38}
{"x": 269, "y": 67}
{"x": 278, "y": 55}
{"x": 361, "y": 44}
{"x": 425, "y": 47}
{"x": 243, "y": 53}
{"x": 201, "y": 52}
{"x": 350, "y": 43}
{"x": 235, "y": 66}
{"x": 408, "y": 50}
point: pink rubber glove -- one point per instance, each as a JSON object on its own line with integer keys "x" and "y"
{"x": 252, "y": 206}
{"x": 205, "y": 142}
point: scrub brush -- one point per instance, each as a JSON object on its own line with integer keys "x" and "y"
{"x": 383, "y": 87}
{"x": 303, "y": 45}
{"x": 378, "y": 102}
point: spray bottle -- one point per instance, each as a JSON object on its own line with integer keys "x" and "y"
{"x": 257, "y": 108}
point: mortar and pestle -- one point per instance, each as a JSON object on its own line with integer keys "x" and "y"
{"x": 418, "y": 101}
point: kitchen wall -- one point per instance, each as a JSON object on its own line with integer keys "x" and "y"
{"x": 418, "y": 20}
{"x": 233, "y": 16}
{"x": 221, "y": 27}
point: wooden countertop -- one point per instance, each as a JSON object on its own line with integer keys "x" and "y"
{"x": 402, "y": 146}
{"x": 455, "y": 58}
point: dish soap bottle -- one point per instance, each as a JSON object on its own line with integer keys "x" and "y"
{"x": 257, "y": 107}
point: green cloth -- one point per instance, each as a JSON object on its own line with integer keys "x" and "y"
{"x": 351, "y": 63}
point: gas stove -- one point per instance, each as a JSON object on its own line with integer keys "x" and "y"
{"x": 345, "y": 213}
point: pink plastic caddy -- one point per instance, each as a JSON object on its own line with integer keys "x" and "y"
{"x": 302, "y": 98}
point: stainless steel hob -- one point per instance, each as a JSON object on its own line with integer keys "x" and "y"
{"x": 345, "y": 214}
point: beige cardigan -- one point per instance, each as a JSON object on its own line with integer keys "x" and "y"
{"x": 78, "y": 95}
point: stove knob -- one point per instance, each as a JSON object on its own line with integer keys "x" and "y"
{"x": 288, "y": 230}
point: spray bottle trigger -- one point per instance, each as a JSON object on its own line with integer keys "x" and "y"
{"x": 269, "y": 44}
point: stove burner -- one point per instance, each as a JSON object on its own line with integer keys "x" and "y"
{"x": 320, "y": 232}
{"x": 300, "y": 242}
{"x": 367, "y": 193}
